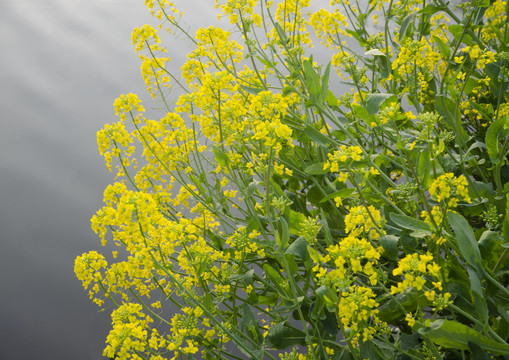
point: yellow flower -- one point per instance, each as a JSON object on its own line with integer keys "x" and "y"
{"x": 451, "y": 188}
{"x": 414, "y": 267}
{"x": 410, "y": 320}
{"x": 360, "y": 220}
{"x": 338, "y": 201}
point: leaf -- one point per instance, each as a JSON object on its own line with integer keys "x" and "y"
{"x": 495, "y": 135}
{"x": 424, "y": 167}
{"x": 445, "y": 50}
{"x": 343, "y": 194}
{"x": 490, "y": 246}
{"x": 374, "y": 101}
{"x": 430, "y": 9}
{"x": 369, "y": 351}
{"x": 397, "y": 305}
{"x": 296, "y": 221}
{"x": 330, "y": 323}
{"x": 221, "y": 156}
{"x": 281, "y": 336}
{"x": 458, "y": 32}
{"x": 455, "y": 335}
{"x": 314, "y": 195}
{"x": 390, "y": 245}
{"x": 449, "y": 110}
{"x": 317, "y": 136}
{"x": 275, "y": 278}
{"x": 331, "y": 99}
{"x": 282, "y": 35}
{"x": 466, "y": 240}
{"x": 505, "y": 226}
{"x": 250, "y": 325}
{"x": 299, "y": 248}
{"x": 312, "y": 82}
{"x": 480, "y": 304}
{"x": 266, "y": 62}
{"x": 198, "y": 183}
{"x": 328, "y": 296}
{"x": 283, "y": 237}
{"x": 374, "y": 52}
{"x": 250, "y": 90}
{"x": 404, "y": 25}
{"x": 313, "y": 254}
{"x": 362, "y": 113}
{"x": 408, "y": 242}
{"x": 410, "y": 223}
{"x": 325, "y": 83}
{"x": 315, "y": 169}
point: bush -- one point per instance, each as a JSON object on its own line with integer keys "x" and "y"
{"x": 270, "y": 217}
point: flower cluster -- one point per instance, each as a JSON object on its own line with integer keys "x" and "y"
{"x": 450, "y": 188}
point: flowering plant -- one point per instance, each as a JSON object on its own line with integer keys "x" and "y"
{"x": 271, "y": 216}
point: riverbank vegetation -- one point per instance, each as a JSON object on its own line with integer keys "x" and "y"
{"x": 268, "y": 214}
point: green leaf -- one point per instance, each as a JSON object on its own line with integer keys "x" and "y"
{"x": 408, "y": 242}
{"x": 283, "y": 236}
{"x": 374, "y": 101}
{"x": 296, "y": 222}
{"x": 450, "y": 111}
{"x": 299, "y": 248}
{"x": 343, "y": 194}
{"x": 315, "y": 169}
{"x": 317, "y": 136}
{"x": 390, "y": 245}
{"x": 282, "y": 35}
{"x": 505, "y": 226}
{"x": 313, "y": 254}
{"x": 410, "y": 223}
{"x": 270, "y": 299}
{"x": 363, "y": 113}
{"x": 282, "y": 336}
{"x": 430, "y": 9}
{"x": 369, "y": 351}
{"x": 325, "y": 82}
{"x": 276, "y": 279}
{"x": 266, "y": 62}
{"x": 249, "y": 325}
{"x": 330, "y": 323}
{"x": 198, "y": 183}
{"x": 495, "y": 135}
{"x": 455, "y": 335}
{"x": 490, "y": 246}
{"x": 221, "y": 156}
{"x": 250, "y": 90}
{"x": 445, "y": 50}
{"x": 331, "y": 99}
{"x": 424, "y": 167}
{"x": 458, "y": 32}
{"x": 404, "y": 25}
{"x": 328, "y": 297}
{"x": 312, "y": 82}
{"x": 480, "y": 304}
{"x": 466, "y": 240}
{"x": 392, "y": 309}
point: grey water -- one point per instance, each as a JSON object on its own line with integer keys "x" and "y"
{"x": 62, "y": 64}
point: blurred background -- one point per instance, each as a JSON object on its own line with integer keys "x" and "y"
{"x": 62, "y": 64}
